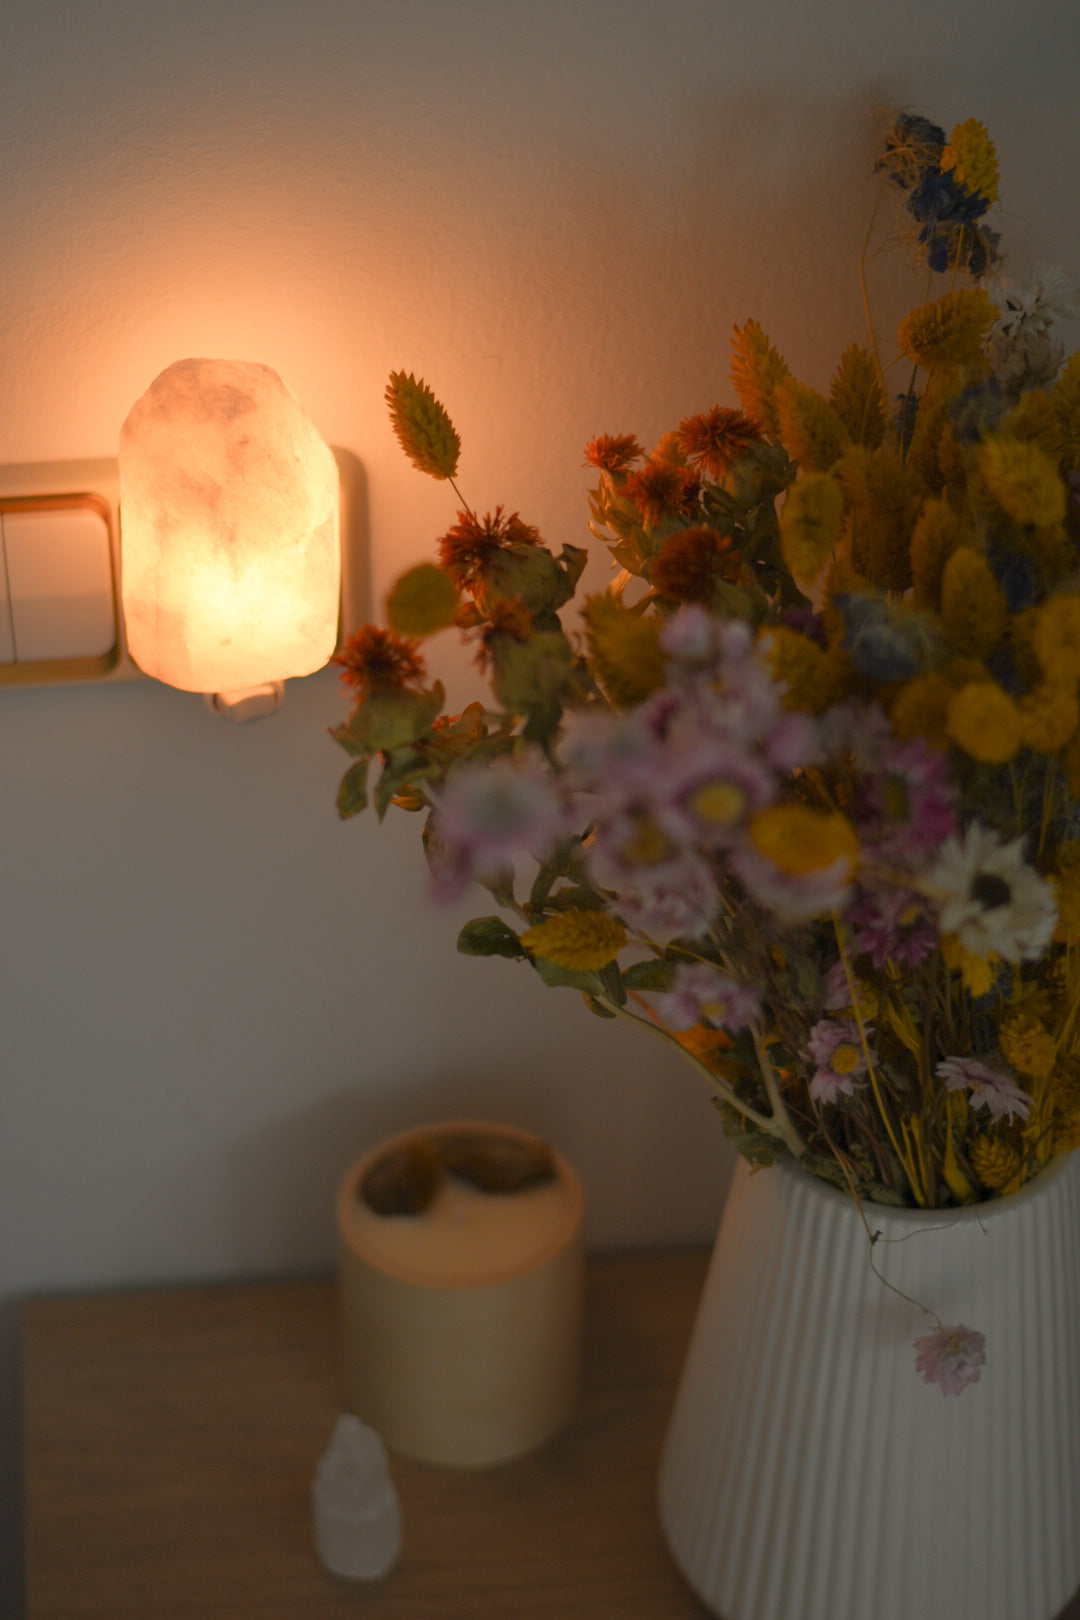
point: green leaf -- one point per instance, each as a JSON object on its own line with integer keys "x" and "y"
{"x": 612, "y": 982}
{"x": 423, "y": 600}
{"x": 388, "y": 720}
{"x": 573, "y": 560}
{"x": 565, "y": 978}
{"x": 652, "y": 974}
{"x": 597, "y": 1007}
{"x": 489, "y": 936}
{"x": 352, "y": 791}
{"x": 577, "y": 897}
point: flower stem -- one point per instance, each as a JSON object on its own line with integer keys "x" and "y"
{"x": 776, "y": 1125}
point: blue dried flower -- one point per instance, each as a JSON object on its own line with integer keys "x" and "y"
{"x": 904, "y": 415}
{"x": 881, "y": 646}
{"x": 977, "y": 411}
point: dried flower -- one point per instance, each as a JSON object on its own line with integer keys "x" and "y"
{"x": 835, "y": 1047}
{"x": 613, "y": 453}
{"x": 468, "y": 550}
{"x": 1022, "y": 479}
{"x": 422, "y": 426}
{"x": 712, "y": 440}
{"x": 949, "y": 331}
{"x": 699, "y": 991}
{"x": 580, "y": 941}
{"x": 990, "y": 897}
{"x": 379, "y": 661}
{"x": 951, "y": 1357}
{"x": 661, "y": 489}
{"x": 971, "y": 156}
{"x": 690, "y": 564}
{"x": 756, "y": 371}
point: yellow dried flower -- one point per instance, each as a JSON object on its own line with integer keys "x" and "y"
{"x": 1053, "y": 550}
{"x": 810, "y": 524}
{"x": 883, "y": 506}
{"x": 984, "y": 721}
{"x": 934, "y": 538}
{"x": 801, "y": 840}
{"x": 971, "y": 156}
{"x": 1065, "y": 400}
{"x": 933, "y": 427}
{"x": 858, "y": 397}
{"x": 1055, "y": 638}
{"x": 813, "y": 677}
{"x": 949, "y": 331}
{"x": 422, "y": 426}
{"x": 1066, "y": 880}
{"x": 977, "y": 972}
{"x": 423, "y": 600}
{"x": 580, "y": 941}
{"x": 1022, "y": 479}
{"x": 920, "y": 708}
{"x": 1067, "y": 1133}
{"x": 810, "y": 430}
{"x": 756, "y": 369}
{"x": 624, "y": 650}
{"x": 995, "y": 1161}
{"x": 1049, "y": 714}
{"x": 1027, "y": 1046}
{"x": 1032, "y": 418}
{"x": 973, "y": 608}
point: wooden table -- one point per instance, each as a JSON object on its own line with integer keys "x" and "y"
{"x": 171, "y": 1437}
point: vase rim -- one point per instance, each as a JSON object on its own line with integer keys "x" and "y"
{"x": 987, "y": 1210}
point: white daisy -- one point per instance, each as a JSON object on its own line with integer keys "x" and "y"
{"x": 990, "y": 898}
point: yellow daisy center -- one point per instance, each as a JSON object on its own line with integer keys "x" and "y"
{"x": 719, "y": 803}
{"x": 845, "y": 1059}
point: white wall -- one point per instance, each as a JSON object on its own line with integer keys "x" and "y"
{"x": 213, "y": 995}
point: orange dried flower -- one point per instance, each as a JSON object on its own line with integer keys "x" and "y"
{"x": 688, "y": 565}
{"x": 659, "y": 488}
{"x": 376, "y": 661}
{"x": 712, "y": 440}
{"x": 612, "y": 452}
{"x": 467, "y": 548}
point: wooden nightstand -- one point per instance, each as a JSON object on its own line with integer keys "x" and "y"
{"x": 171, "y": 1437}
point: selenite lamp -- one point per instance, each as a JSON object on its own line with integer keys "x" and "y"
{"x": 229, "y": 524}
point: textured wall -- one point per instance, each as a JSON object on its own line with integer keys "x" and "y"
{"x": 212, "y": 993}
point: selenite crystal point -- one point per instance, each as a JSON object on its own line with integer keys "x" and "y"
{"x": 358, "y": 1532}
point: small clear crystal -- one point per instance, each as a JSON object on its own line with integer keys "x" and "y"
{"x": 357, "y": 1511}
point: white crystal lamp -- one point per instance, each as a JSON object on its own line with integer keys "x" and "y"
{"x": 229, "y": 522}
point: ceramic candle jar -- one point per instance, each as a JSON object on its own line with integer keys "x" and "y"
{"x": 461, "y": 1291}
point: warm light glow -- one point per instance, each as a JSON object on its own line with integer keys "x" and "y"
{"x": 229, "y": 530}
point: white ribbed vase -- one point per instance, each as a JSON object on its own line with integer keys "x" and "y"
{"x": 810, "y": 1474}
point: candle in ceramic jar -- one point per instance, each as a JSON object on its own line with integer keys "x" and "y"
{"x": 461, "y": 1273}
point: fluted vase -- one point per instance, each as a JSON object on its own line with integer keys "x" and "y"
{"x": 809, "y": 1473}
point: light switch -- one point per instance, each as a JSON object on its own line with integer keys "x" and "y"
{"x": 60, "y": 583}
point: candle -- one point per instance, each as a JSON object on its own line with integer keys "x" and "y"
{"x": 461, "y": 1281}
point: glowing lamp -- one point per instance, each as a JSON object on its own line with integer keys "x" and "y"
{"x": 229, "y": 530}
